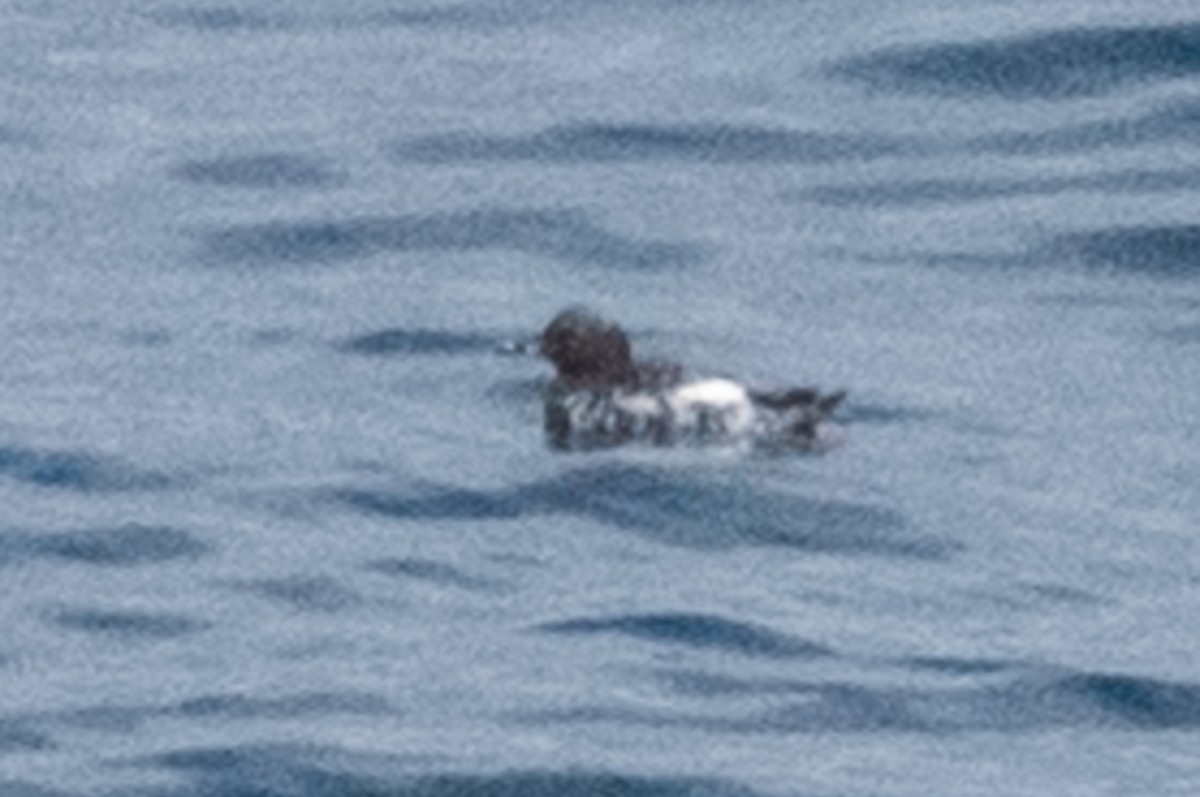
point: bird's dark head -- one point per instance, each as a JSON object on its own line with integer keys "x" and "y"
{"x": 587, "y": 351}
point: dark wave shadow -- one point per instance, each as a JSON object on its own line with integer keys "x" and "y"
{"x": 458, "y": 17}
{"x": 229, "y": 707}
{"x": 1024, "y": 259}
{"x": 17, "y": 788}
{"x": 694, "y": 630}
{"x": 444, "y": 504}
{"x": 673, "y": 508}
{"x": 1049, "y": 593}
{"x": 1060, "y": 64}
{"x": 860, "y": 412}
{"x": 431, "y": 571}
{"x": 262, "y": 771}
{"x": 465, "y": 16}
{"x": 714, "y": 685}
{"x": 1169, "y": 251}
{"x": 955, "y": 666}
{"x": 504, "y": 13}
{"x": 72, "y": 470}
{"x": 419, "y": 342}
{"x": 16, "y": 137}
{"x": 320, "y": 594}
{"x": 566, "y": 235}
{"x": 120, "y": 546}
{"x": 104, "y": 717}
{"x": 911, "y": 193}
{"x": 1182, "y": 335}
{"x": 147, "y": 337}
{"x": 567, "y": 784}
{"x": 1145, "y": 703}
{"x": 15, "y": 737}
{"x": 1021, "y": 703}
{"x": 452, "y": 17}
{"x": 1172, "y": 122}
{"x": 1152, "y": 251}
{"x": 703, "y": 684}
{"x": 596, "y": 142}
{"x": 265, "y": 171}
{"x": 669, "y": 507}
{"x": 221, "y": 19}
{"x": 302, "y": 705}
{"x": 126, "y": 625}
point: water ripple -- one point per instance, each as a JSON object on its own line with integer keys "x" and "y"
{"x": 1159, "y": 251}
{"x": 16, "y": 738}
{"x": 221, "y": 19}
{"x": 1143, "y": 702}
{"x": 16, "y": 136}
{"x": 126, "y": 624}
{"x": 567, "y": 784}
{"x": 462, "y": 16}
{"x": 459, "y": 16}
{"x": 876, "y": 413}
{"x": 269, "y": 171}
{"x": 430, "y": 570}
{"x": 1027, "y": 701}
{"x": 614, "y": 142}
{"x": 694, "y": 630}
{"x": 909, "y": 193}
{"x": 1165, "y": 252}
{"x": 1172, "y": 122}
{"x": 120, "y": 546}
{"x": 16, "y": 788}
{"x": 668, "y": 507}
{"x": 306, "y": 704}
{"x": 277, "y": 771}
{"x": 73, "y": 470}
{"x": 566, "y": 235}
{"x": 1184, "y": 334}
{"x": 419, "y": 341}
{"x": 950, "y": 665}
{"x": 106, "y": 718}
{"x": 1058, "y": 64}
{"x": 304, "y": 593}
{"x": 18, "y": 732}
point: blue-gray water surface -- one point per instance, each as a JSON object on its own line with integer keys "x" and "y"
{"x": 277, "y": 518}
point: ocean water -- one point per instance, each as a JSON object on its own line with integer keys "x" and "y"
{"x": 277, "y": 518}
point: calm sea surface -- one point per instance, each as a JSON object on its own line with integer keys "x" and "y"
{"x": 276, "y": 514}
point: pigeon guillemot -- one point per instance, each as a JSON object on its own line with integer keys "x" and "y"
{"x": 601, "y": 396}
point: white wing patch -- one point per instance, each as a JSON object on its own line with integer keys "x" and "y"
{"x": 712, "y": 407}
{"x": 701, "y": 412}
